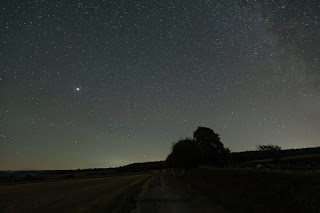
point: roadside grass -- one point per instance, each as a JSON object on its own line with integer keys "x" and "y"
{"x": 110, "y": 194}
{"x": 155, "y": 179}
{"x": 126, "y": 200}
{"x": 249, "y": 190}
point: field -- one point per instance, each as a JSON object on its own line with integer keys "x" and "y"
{"x": 251, "y": 190}
{"x": 108, "y": 194}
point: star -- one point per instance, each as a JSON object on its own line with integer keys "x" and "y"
{"x": 154, "y": 78}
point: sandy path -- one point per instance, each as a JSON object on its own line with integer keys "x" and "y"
{"x": 156, "y": 196}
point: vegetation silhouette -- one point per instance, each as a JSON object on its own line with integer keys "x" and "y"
{"x": 273, "y": 150}
{"x": 185, "y": 154}
{"x": 213, "y": 150}
{"x": 205, "y": 148}
{"x": 269, "y": 147}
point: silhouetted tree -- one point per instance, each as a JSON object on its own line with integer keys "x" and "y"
{"x": 269, "y": 147}
{"x": 272, "y": 149}
{"x": 185, "y": 154}
{"x": 213, "y": 151}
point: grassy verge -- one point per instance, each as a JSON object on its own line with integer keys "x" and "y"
{"x": 126, "y": 200}
{"x": 248, "y": 190}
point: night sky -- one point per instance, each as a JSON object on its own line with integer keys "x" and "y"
{"x": 88, "y": 84}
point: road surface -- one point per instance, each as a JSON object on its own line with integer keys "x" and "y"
{"x": 157, "y": 197}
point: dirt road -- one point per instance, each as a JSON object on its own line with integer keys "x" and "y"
{"x": 156, "y": 196}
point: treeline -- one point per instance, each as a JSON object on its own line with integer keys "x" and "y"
{"x": 134, "y": 167}
{"x": 261, "y": 155}
{"x": 206, "y": 148}
{"x": 52, "y": 175}
{"x": 140, "y": 167}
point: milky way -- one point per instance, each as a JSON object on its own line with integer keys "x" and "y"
{"x": 107, "y": 83}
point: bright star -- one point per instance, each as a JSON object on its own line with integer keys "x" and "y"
{"x": 78, "y": 88}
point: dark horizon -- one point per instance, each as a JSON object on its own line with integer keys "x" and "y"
{"x": 141, "y": 162}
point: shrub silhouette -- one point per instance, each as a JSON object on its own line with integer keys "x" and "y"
{"x": 185, "y": 154}
{"x": 205, "y": 148}
{"x": 269, "y": 147}
{"x": 213, "y": 150}
{"x": 273, "y": 150}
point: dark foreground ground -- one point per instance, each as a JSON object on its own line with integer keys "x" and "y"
{"x": 251, "y": 190}
{"x": 205, "y": 189}
{"x": 83, "y": 195}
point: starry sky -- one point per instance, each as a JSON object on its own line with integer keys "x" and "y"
{"x": 91, "y": 84}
